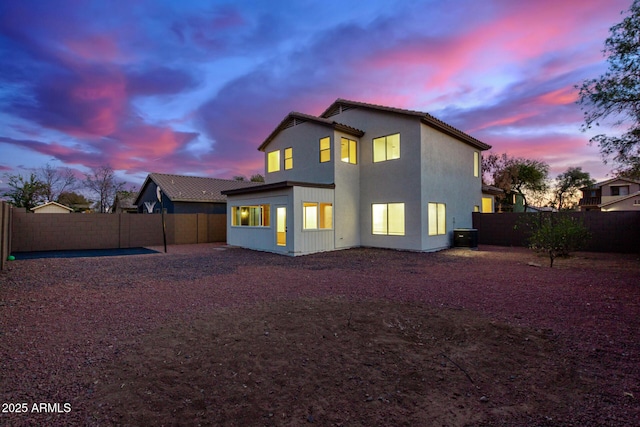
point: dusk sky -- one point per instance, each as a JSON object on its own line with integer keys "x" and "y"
{"x": 194, "y": 87}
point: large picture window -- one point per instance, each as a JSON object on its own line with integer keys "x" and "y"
{"x": 273, "y": 161}
{"x": 437, "y": 219}
{"x": 348, "y": 151}
{"x": 317, "y": 216}
{"x": 250, "y": 216}
{"x": 387, "y": 219}
{"x": 386, "y": 148}
{"x": 325, "y": 150}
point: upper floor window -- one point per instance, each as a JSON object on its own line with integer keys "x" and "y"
{"x": 325, "y": 149}
{"x": 620, "y": 190}
{"x": 288, "y": 158}
{"x": 348, "y": 151}
{"x": 476, "y": 164}
{"x": 386, "y": 148}
{"x": 387, "y": 218}
{"x": 273, "y": 161}
{"x": 317, "y": 216}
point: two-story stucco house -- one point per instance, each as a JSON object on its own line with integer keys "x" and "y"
{"x": 617, "y": 194}
{"x": 359, "y": 175}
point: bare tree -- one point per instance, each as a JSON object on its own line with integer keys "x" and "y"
{"x": 56, "y": 181}
{"x": 102, "y": 181}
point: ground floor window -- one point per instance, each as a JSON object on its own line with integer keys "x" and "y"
{"x": 387, "y": 219}
{"x": 317, "y": 216}
{"x": 252, "y": 216}
{"x": 487, "y": 204}
{"x": 437, "y": 219}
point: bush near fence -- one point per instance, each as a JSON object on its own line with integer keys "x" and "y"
{"x": 610, "y": 231}
{"x": 47, "y": 232}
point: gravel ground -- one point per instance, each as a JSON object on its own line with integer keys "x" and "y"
{"x": 64, "y": 322}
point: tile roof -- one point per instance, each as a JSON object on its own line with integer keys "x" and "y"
{"x": 424, "y": 117}
{"x": 182, "y": 188}
{"x": 295, "y": 118}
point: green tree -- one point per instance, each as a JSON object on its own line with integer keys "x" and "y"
{"x": 516, "y": 175}
{"x": 257, "y": 178}
{"x": 102, "y": 181}
{"x": 76, "y": 201}
{"x": 25, "y": 193}
{"x": 615, "y": 95}
{"x": 556, "y": 234}
{"x": 568, "y": 185}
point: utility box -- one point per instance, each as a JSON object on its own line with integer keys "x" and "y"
{"x": 465, "y": 238}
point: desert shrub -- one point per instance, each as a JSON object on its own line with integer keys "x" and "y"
{"x": 556, "y": 234}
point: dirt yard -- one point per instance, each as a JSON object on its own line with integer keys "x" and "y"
{"x": 207, "y": 335}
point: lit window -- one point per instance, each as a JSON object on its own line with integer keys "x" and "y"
{"x": 348, "y": 151}
{"x": 476, "y": 208}
{"x": 273, "y": 161}
{"x": 487, "y": 204}
{"x": 251, "y": 216}
{"x": 386, "y": 148}
{"x": 288, "y": 158}
{"x": 325, "y": 150}
{"x": 387, "y": 219}
{"x": 317, "y": 215}
{"x": 476, "y": 164}
{"x": 437, "y": 219}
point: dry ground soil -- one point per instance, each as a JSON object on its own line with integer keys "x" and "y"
{"x": 210, "y": 335}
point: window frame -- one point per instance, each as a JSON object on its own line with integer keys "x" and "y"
{"x": 275, "y": 160}
{"x": 326, "y": 150}
{"x": 264, "y": 215}
{"x": 476, "y": 164}
{"x": 320, "y": 216}
{"x": 387, "y": 230}
{"x": 352, "y": 150}
{"x": 440, "y": 219}
{"x": 385, "y": 143}
{"x": 288, "y": 158}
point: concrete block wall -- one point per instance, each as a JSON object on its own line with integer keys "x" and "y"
{"x": 610, "y": 231}
{"x": 46, "y": 232}
{"x": 6, "y": 213}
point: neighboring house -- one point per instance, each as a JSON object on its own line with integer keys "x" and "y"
{"x": 359, "y": 175}
{"x": 617, "y": 194}
{"x": 185, "y": 194}
{"x": 52, "y": 207}
{"x": 489, "y": 194}
{"x": 125, "y": 202}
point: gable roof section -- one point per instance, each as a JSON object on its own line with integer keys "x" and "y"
{"x": 343, "y": 104}
{"x": 609, "y": 181}
{"x": 619, "y": 199}
{"x": 294, "y": 118}
{"x": 182, "y": 188}
{"x": 52, "y": 204}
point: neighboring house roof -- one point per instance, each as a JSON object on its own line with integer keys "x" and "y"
{"x": 619, "y": 199}
{"x": 609, "y": 181}
{"x": 490, "y": 189}
{"x": 125, "y": 200}
{"x": 44, "y": 205}
{"x": 294, "y": 118}
{"x": 276, "y": 186}
{"x": 181, "y": 188}
{"x": 428, "y": 119}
